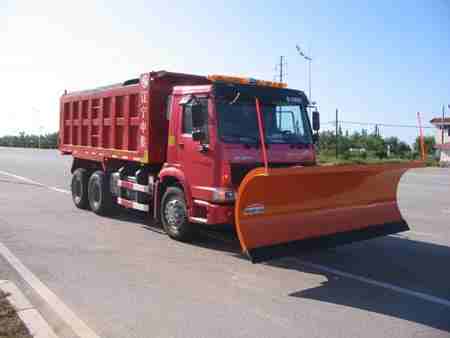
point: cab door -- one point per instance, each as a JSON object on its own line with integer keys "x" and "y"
{"x": 196, "y": 156}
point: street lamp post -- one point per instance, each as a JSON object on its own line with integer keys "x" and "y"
{"x": 309, "y": 59}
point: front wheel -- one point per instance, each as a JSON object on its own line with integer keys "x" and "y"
{"x": 174, "y": 215}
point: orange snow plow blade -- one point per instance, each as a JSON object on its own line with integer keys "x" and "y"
{"x": 289, "y": 210}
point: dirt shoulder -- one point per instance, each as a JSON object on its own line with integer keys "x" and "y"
{"x": 10, "y": 324}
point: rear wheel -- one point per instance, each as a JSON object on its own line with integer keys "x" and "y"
{"x": 79, "y": 188}
{"x": 174, "y": 215}
{"x": 100, "y": 198}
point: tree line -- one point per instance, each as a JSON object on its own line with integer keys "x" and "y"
{"x": 370, "y": 145}
{"x": 24, "y": 140}
{"x": 358, "y": 144}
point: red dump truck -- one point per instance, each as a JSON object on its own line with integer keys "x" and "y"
{"x": 212, "y": 150}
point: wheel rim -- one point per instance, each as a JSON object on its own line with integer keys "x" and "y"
{"x": 175, "y": 213}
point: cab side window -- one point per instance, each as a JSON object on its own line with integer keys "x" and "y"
{"x": 187, "y": 116}
{"x": 187, "y": 119}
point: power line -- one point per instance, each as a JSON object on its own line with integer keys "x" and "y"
{"x": 377, "y": 124}
{"x": 384, "y": 124}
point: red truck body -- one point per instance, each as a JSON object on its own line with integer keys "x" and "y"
{"x": 139, "y": 124}
{"x": 215, "y": 150}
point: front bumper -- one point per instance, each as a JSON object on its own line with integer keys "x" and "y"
{"x": 211, "y": 213}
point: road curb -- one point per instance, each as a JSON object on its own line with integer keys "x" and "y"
{"x": 35, "y": 323}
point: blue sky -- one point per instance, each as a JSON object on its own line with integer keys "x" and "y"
{"x": 376, "y": 61}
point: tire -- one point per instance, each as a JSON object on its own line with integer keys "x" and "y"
{"x": 79, "y": 188}
{"x": 174, "y": 216}
{"x": 99, "y": 194}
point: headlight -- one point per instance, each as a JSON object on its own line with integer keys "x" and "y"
{"x": 223, "y": 195}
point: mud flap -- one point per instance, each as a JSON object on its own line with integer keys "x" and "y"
{"x": 290, "y": 210}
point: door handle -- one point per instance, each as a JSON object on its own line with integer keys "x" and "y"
{"x": 181, "y": 144}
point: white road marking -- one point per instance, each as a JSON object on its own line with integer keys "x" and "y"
{"x": 420, "y": 295}
{"x": 20, "y": 178}
{"x": 34, "y": 182}
{"x": 426, "y": 234}
{"x": 64, "y": 191}
{"x": 67, "y": 315}
{"x": 415, "y": 234}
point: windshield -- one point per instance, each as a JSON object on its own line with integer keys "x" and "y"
{"x": 284, "y": 123}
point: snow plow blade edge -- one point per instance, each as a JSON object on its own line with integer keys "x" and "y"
{"x": 292, "y": 210}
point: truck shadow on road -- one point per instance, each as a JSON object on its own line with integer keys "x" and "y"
{"x": 407, "y": 264}
{"x": 404, "y": 263}
{"x": 400, "y": 262}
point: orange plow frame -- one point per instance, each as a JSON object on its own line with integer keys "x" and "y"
{"x": 283, "y": 211}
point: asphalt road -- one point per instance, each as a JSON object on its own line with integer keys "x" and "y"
{"x": 124, "y": 279}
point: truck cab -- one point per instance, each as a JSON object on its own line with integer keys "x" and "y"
{"x": 178, "y": 146}
{"x": 214, "y": 139}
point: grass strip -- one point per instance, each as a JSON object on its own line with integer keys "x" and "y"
{"x": 10, "y": 324}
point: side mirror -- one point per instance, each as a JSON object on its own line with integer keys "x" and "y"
{"x": 198, "y": 117}
{"x": 198, "y": 135}
{"x": 316, "y": 120}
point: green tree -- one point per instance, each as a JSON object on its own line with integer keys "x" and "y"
{"x": 30, "y": 140}
{"x": 393, "y": 143}
{"x": 404, "y": 150}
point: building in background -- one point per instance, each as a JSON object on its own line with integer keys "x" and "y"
{"x": 443, "y": 138}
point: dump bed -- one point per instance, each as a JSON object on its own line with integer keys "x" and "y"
{"x": 125, "y": 121}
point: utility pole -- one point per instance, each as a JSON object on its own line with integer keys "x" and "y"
{"x": 281, "y": 69}
{"x": 337, "y": 135}
{"x": 377, "y": 130}
{"x": 281, "y": 75}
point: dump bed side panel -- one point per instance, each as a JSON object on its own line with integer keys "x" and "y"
{"x": 109, "y": 123}
{"x": 126, "y": 121}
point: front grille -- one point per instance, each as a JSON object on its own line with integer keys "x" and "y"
{"x": 239, "y": 170}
